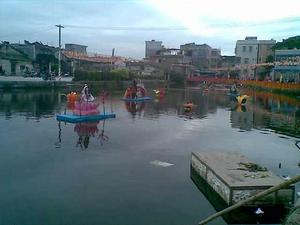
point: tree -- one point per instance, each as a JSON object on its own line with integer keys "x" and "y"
{"x": 120, "y": 74}
{"x": 290, "y": 43}
{"x": 270, "y": 59}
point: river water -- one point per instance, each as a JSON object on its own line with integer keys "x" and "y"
{"x": 107, "y": 172}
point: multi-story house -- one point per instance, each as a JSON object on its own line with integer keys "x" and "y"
{"x": 152, "y": 48}
{"x": 252, "y": 51}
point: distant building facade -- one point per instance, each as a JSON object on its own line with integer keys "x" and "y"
{"x": 76, "y": 48}
{"x": 100, "y": 63}
{"x": 152, "y": 48}
{"x": 265, "y": 50}
{"x": 229, "y": 61}
{"x": 202, "y": 56}
{"x": 252, "y": 51}
{"x": 287, "y": 68}
{"x": 13, "y": 61}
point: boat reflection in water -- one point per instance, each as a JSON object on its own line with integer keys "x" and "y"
{"x": 272, "y": 214}
{"x": 86, "y": 131}
{"x": 135, "y": 108}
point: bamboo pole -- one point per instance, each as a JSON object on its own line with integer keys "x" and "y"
{"x": 254, "y": 197}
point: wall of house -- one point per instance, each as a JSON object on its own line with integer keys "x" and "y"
{"x": 247, "y": 50}
{"x": 21, "y": 68}
{"x": 6, "y": 66}
{"x": 264, "y": 51}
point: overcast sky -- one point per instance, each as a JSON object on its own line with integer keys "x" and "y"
{"x": 218, "y": 23}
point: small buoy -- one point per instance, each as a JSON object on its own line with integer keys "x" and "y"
{"x": 259, "y": 211}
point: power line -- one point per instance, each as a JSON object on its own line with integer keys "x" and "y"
{"x": 16, "y": 34}
{"x": 128, "y": 28}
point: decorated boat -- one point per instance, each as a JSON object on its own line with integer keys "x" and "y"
{"x": 85, "y": 108}
{"x": 137, "y": 92}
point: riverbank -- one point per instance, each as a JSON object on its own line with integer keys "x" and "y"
{"x": 277, "y": 87}
{"x": 14, "y": 82}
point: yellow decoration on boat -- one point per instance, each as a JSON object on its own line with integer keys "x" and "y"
{"x": 242, "y": 99}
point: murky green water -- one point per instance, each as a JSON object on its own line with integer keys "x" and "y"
{"x": 100, "y": 173}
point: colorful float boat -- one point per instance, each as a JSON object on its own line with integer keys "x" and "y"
{"x": 242, "y": 99}
{"x": 189, "y": 106}
{"x": 136, "y": 93}
{"x": 85, "y": 109}
{"x": 159, "y": 93}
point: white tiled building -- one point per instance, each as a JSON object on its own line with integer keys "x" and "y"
{"x": 247, "y": 50}
{"x": 252, "y": 51}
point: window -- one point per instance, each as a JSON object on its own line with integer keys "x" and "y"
{"x": 246, "y": 60}
{"x": 250, "y": 48}
{"x": 22, "y": 67}
{"x": 244, "y": 48}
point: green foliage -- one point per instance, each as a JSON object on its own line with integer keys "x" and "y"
{"x": 177, "y": 78}
{"x": 270, "y": 59}
{"x": 43, "y": 61}
{"x": 115, "y": 74}
{"x": 290, "y": 43}
{"x": 120, "y": 74}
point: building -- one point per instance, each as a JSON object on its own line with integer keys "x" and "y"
{"x": 76, "y": 48}
{"x": 13, "y": 61}
{"x": 265, "y": 50}
{"x": 229, "y": 61}
{"x": 287, "y": 67}
{"x": 252, "y": 51}
{"x": 202, "y": 56}
{"x": 247, "y": 51}
{"x": 100, "y": 63}
{"x": 143, "y": 68}
{"x": 215, "y": 58}
{"x": 43, "y": 56}
{"x": 152, "y": 48}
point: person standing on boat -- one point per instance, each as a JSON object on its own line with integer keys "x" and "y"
{"x": 134, "y": 89}
{"x": 86, "y": 94}
{"x": 233, "y": 89}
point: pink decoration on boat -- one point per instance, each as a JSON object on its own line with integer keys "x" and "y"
{"x": 86, "y": 108}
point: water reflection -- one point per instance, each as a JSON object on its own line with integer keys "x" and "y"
{"x": 267, "y": 110}
{"x": 263, "y": 110}
{"x": 31, "y": 104}
{"x": 135, "y": 108}
{"x": 85, "y": 131}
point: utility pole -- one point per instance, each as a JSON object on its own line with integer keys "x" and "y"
{"x": 59, "y": 47}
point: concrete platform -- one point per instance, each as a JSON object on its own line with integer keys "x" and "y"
{"x": 235, "y": 178}
{"x": 242, "y": 215}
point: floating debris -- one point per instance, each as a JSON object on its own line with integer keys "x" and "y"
{"x": 286, "y": 177}
{"x": 256, "y": 176}
{"x": 160, "y": 163}
{"x": 251, "y": 167}
{"x": 259, "y": 211}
